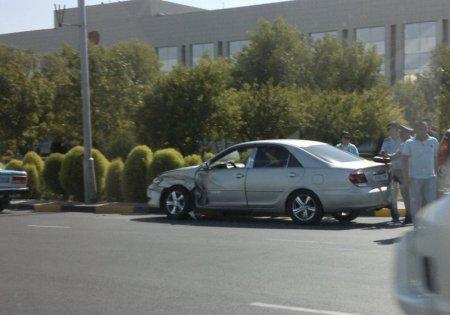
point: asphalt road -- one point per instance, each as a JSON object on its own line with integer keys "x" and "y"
{"x": 73, "y": 263}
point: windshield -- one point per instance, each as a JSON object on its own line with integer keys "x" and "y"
{"x": 331, "y": 154}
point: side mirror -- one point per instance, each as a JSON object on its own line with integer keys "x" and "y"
{"x": 205, "y": 166}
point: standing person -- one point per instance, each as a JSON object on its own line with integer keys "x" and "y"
{"x": 405, "y": 135}
{"x": 345, "y": 144}
{"x": 391, "y": 148}
{"x": 431, "y": 130}
{"x": 420, "y": 168}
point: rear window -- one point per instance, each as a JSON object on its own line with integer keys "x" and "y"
{"x": 331, "y": 154}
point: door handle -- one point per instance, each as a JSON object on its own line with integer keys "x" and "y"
{"x": 239, "y": 176}
{"x": 292, "y": 175}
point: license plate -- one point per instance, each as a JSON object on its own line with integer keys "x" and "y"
{"x": 381, "y": 177}
{"x": 4, "y": 180}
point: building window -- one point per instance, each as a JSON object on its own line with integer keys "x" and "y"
{"x": 168, "y": 56}
{"x": 321, "y": 35}
{"x": 237, "y": 46}
{"x": 200, "y": 51}
{"x": 420, "y": 40}
{"x": 374, "y": 38}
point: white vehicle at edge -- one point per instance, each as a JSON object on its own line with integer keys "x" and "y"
{"x": 423, "y": 263}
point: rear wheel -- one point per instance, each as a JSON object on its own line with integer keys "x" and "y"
{"x": 304, "y": 208}
{"x": 345, "y": 216}
{"x": 177, "y": 203}
{"x": 4, "y": 203}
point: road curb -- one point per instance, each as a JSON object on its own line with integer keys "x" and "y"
{"x": 126, "y": 209}
{"x": 104, "y": 208}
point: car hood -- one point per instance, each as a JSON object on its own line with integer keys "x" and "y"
{"x": 182, "y": 172}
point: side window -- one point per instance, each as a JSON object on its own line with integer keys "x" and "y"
{"x": 293, "y": 162}
{"x": 238, "y": 157}
{"x": 271, "y": 157}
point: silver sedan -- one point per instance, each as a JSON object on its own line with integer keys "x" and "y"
{"x": 304, "y": 179}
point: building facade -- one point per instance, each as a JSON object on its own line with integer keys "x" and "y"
{"x": 403, "y": 32}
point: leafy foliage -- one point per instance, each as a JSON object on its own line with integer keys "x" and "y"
{"x": 51, "y": 171}
{"x": 164, "y": 160}
{"x": 181, "y": 111}
{"x": 193, "y": 160}
{"x": 33, "y": 181}
{"x": 34, "y": 159}
{"x": 134, "y": 184}
{"x": 113, "y": 187}
{"x": 71, "y": 174}
{"x": 15, "y": 165}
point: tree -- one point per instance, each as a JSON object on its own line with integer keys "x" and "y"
{"x": 181, "y": 111}
{"x": 277, "y": 53}
{"x": 120, "y": 76}
{"x": 24, "y": 100}
{"x": 345, "y": 66}
{"x": 441, "y": 73}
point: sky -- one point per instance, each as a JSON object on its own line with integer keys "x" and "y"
{"x": 26, "y": 15}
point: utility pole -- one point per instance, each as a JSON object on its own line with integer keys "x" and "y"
{"x": 90, "y": 189}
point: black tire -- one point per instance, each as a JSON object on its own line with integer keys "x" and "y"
{"x": 304, "y": 207}
{"x": 4, "y": 203}
{"x": 345, "y": 216}
{"x": 177, "y": 202}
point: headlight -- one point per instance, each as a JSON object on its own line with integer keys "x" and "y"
{"x": 157, "y": 181}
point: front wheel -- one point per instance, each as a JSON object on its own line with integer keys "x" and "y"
{"x": 304, "y": 208}
{"x": 177, "y": 203}
{"x": 345, "y": 216}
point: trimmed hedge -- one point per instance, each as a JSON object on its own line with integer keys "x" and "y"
{"x": 134, "y": 184}
{"x": 14, "y": 165}
{"x": 207, "y": 156}
{"x": 113, "y": 188}
{"x": 50, "y": 174}
{"x": 34, "y": 181}
{"x": 34, "y": 159}
{"x": 193, "y": 160}
{"x": 71, "y": 174}
{"x": 164, "y": 160}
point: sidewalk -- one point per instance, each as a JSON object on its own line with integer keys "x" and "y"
{"x": 124, "y": 208}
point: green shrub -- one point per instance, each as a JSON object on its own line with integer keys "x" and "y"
{"x": 71, "y": 174}
{"x": 192, "y": 160}
{"x": 134, "y": 184}
{"x": 2, "y": 166}
{"x": 34, "y": 159}
{"x": 34, "y": 181}
{"x": 207, "y": 156}
{"x": 114, "y": 173}
{"x": 51, "y": 171}
{"x": 15, "y": 165}
{"x": 164, "y": 160}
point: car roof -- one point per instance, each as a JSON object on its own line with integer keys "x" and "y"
{"x": 288, "y": 142}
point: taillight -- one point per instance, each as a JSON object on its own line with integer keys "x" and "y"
{"x": 358, "y": 178}
{"x": 19, "y": 180}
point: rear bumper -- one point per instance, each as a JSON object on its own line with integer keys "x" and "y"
{"x": 357, "y": 199}
{"x": 13, "y": 193}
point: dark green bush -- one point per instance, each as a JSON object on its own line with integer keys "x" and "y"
{"x": 15, "y": 165}
{"x": 164, "y": 160}
{"x": 34, "y": 181}
{"x": 192, "y": 160}
{"x": 34, "y": 159}
{"x": 134, "y": 184}
{"x": 51, "y": 171}
{"x": 71, "y": 174}
{"x": 207, "y": 156}
{"x": 113, "y": 188}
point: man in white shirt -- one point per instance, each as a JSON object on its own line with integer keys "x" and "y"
{"x": 420, "y": 168}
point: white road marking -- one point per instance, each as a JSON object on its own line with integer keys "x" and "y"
{"x": 300, "y": 241}
{"x": 297, "y": 309}
{"x": 49, "y": 226}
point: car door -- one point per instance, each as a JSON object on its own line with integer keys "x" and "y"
{"x": 223, "y": 183}
{"x": 272, "y": 175}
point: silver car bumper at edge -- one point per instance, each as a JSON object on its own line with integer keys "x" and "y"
{"x": 360, "y": 198}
